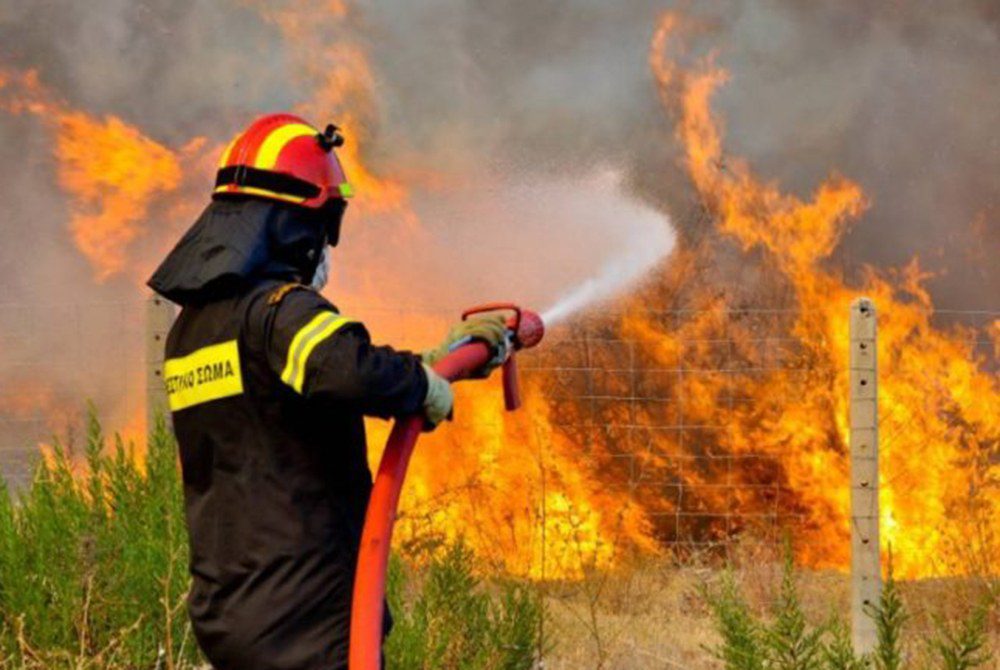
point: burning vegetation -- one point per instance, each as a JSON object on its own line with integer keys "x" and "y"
{"x": 720, "y": 411}
{"x": 940, "y": 402}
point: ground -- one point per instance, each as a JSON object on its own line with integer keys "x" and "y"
{"x": 655, "y": 617}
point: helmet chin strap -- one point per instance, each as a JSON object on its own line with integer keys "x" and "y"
{"x": 322, "y": 274}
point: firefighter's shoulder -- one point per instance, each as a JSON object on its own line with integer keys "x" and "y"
{"x": 293, "y": 297}
{"x": 282, "y": 307}
{"x": 298, "y": 322}
{"x": 277, "y": 295}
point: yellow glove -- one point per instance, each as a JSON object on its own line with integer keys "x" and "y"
{"x": 439, "y": 401}
{"x": 489, "y": 328}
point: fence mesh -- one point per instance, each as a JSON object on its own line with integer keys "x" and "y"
{"x": 640, "y": 417}
{"x": 705, "y": 477}
{"x": 57, "y": 358}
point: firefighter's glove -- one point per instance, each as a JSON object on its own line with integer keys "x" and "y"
{"x": 489, "y": 328}
{"x": 439, "y": 400}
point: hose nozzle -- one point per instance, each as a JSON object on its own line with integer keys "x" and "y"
{"x": 526, "y": 326}
{"x": 527, "y": 330}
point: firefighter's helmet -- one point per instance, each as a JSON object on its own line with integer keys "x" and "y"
{"x": 281, "y": 157}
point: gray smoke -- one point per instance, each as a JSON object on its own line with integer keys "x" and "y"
{"x": 900, "y": 97}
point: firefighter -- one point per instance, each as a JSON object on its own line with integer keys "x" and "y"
{"x": 268, "y": 385}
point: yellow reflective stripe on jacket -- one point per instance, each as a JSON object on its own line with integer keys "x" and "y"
{"x": 306, "y": 339}
{"x": 210, "y": 373}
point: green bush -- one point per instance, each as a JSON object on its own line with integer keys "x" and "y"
{"x": 791, "y": 643}
{"x": 93, "y": 574}
{"x": 890, "y": 617}
{"x": 451, "y": 619}
{"x": 785, "y": 640}
{"x": 742, "y": 646}
{"x": 93, "y": 560}
{"x": 963, "y": 647}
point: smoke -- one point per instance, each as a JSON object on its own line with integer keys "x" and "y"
{"x": 499, "y": 116}
{"x": 900, "y": 98}
{"x": 650, "y": 242}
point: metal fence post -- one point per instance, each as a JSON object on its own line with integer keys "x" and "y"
{"x": 866, "y": 576}
{"x": 159, "y": 317}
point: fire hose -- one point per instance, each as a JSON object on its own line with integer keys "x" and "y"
{"x": 524, "y": 330}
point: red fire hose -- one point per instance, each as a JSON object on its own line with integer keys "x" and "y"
{"x": 525, "y": 330}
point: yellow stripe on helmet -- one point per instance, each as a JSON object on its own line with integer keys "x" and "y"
{"x": 224, "y": 160}
{"x": 270, "y": 148}
{"x": 306, "y": 339}
{"x": 262, "y": 192}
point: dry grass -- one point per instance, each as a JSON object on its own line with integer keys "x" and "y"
{"x": 653, "y": 614}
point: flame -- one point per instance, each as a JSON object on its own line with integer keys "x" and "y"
{"x": 940, "y": 408}
{"x": 110, "y": 170}
{"x": 517, "y": 491}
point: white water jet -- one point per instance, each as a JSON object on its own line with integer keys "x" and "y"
{"x": 562, "y": 242}
{"x": 639, "y": 255}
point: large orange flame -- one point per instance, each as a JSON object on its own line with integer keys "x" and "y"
{"x": 940, "y": 408}
{"x": 111, "y": 171}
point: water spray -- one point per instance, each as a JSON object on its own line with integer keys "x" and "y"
{"x": 613, "y": 277}
{"x": 525, "y": 329}
{"x": 646, "y": 237}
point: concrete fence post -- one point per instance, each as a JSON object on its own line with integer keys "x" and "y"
{"x": 866, "y": 575}
{"x": 159, "y": 317}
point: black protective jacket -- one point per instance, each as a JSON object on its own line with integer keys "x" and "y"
{"x": 268, "y": 386}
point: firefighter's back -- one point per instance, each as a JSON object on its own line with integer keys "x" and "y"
{"x": 274, "y": 490}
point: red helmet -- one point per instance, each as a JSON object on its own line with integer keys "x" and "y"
{"x": 281, "y": 157}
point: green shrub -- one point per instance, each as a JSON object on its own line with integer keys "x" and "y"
{"x": 963, "y": 647}
{"x": 93, "y": 574}
{"x": 785, "y": 641}
{"x": 890, "y": 617}
{"x": 790, "y": 643}
{"x": 742, "y": 646}
{"x": 446, "y": 617}
{"x": 93, "y": 562}
{"x": 838, "y": 651}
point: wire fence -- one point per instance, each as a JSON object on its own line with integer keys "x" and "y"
{"x": 689, "y": 426}
{"x": 55, "y": 360}
{"x": 726, "y": 438}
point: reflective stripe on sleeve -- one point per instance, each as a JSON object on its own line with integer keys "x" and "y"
{"x": 309, "y": 336}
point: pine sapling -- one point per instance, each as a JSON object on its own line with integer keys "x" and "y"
{"x": 964, "y": 647}
{"x": 838, "y": 652}
{"x": 741, "y": 647}
{"x": 890, "y": 616}
{"x": 790, "y": 643}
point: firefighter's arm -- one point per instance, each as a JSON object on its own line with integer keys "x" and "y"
{"x": 318, "y": 352}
